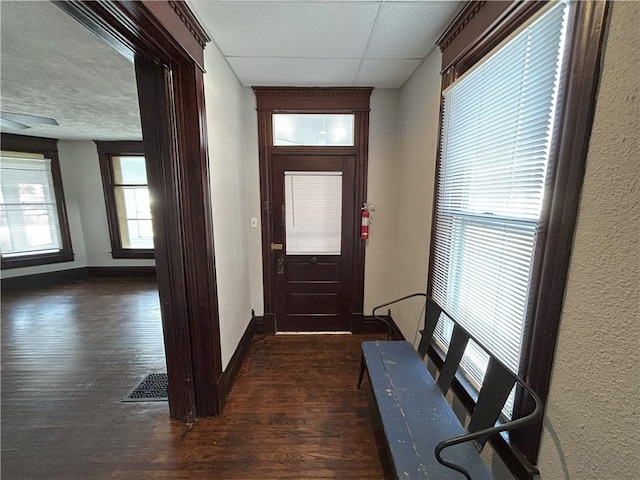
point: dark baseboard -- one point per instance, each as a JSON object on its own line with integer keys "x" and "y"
{"x": 41, "y": 280}
{"x": 48, "y": 279}
{"x": 258, "y": 323}
{"x": 370, "y": 324}
{"x": 121, "y": 271}
{"x": 228, "y": 377}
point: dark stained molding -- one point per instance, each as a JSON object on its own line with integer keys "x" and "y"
{"x": 230, "y": 374}
{"x": 169, "y": 75}
{"x": 141, "y": 271}
{"x": 120, "y": 147}
{"x": 576, "y": 113}
{"x": 154, "y": 29}
{"x": 41, "y": 280}
{"x": 479, "y": 27}
{"x": 344, "y": 99}
{"x": 459, "y": 23}
{"x": 258, "y": 322}
{"x": 177, "y": 18}
{"x": 191, "y": 22}
{"x": 25, "y": 143}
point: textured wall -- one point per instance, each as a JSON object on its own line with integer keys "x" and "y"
{"x": 591, "y": 425}
{"x": 381, "y": 191}
{"x": 224, "y": 104}
{"x": 415, "y": 171}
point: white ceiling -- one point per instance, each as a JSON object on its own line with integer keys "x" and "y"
{"x": 377, "y": 43}
{"x": 52, "y": 66}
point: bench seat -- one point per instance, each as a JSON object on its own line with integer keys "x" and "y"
{"x": 415, "y": 416}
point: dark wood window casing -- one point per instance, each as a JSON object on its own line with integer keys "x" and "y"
{"x": 49, "y": 148}
{"x": 106, "y": 151}
{"x": 478, "y": 28}
{"x": 334, "y": 100}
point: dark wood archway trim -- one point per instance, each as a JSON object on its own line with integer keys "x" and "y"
{"x": 312, "y": 100}
{"x": 167, "y": 45}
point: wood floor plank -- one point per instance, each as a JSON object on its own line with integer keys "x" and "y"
{"x": 71, "y": 353}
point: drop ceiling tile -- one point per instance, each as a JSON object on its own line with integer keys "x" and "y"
{"x": 385, "y": 73}
{"x": 294, "y": 71}
{"x": 409, "y": 30}
{"x": 289, "y": 29}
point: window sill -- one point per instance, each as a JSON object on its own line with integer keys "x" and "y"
{"x": 467, "y": 394}
{"x": 131, "y": 253}
{"x": 35, "y": 260}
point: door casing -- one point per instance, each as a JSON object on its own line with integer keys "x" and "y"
{"x": 166, "y": 43}
{"x": 311, "y": 100}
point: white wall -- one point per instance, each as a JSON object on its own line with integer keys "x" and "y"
{"x": 381, "y": 191}
{"x": 418, "y": 143}
{"x": 86, "y": 210}
{"x": 252, "y": 166}
{"x": 224, "y": 98}
{"x": 591, "y": 423}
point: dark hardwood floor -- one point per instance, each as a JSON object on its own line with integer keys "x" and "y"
{"x": 71, "y": 353}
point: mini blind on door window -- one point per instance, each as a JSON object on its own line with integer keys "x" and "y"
{"x": 497, "y": 128}
{"x": 313, "y": 211}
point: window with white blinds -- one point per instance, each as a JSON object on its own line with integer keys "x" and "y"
{"x": 313, "y": 211}
{"x": 497, "y": 132}
{"x": 29, "y": 222}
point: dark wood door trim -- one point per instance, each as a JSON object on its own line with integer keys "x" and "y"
{"x": 312, "y": 100}
{"x": 167, "y": 45}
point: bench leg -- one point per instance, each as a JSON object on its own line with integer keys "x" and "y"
{"x": 362, "y": 366}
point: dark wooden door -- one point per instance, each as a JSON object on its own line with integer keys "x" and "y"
{"x": 313, "y": 241}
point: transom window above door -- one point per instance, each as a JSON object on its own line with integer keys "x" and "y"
{"x": 313, "y": 129}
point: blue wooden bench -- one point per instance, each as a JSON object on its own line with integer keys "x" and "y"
{"x": 417, "y": 422}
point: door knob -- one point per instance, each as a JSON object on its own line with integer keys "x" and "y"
{"x": 314, "y": 260}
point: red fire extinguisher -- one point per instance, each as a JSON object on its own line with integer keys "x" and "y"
{"x": 365, "y": 214}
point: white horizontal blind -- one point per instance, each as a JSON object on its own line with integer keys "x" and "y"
{"x": 29, "y": 221}
{"x": 496, "y": 137}
{"x": 313, "y": 211}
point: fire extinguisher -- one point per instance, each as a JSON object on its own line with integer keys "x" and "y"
{"x": 366, "y": 217}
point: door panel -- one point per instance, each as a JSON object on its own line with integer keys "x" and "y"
{"x": 315, "y": 197}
